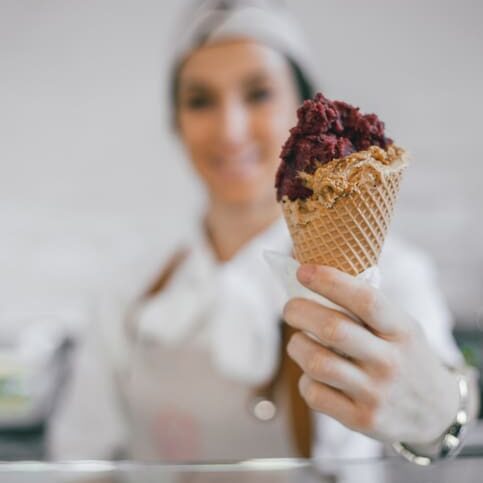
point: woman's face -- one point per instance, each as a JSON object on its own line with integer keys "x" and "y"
{"x": 237, "y": 101}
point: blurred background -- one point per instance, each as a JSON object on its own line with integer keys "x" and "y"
{"x": 94, "y": 186}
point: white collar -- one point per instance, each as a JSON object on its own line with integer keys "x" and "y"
{"x": 240, "y": 300}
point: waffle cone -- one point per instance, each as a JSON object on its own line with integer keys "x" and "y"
{"x": 349, "y": 235}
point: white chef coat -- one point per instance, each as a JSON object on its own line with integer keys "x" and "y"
{"x": 181, "y": 390}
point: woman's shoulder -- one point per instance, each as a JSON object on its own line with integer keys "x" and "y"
{"x": 168, "y": 264}
{"x": 410, "y": 278}
{"x": 147, "y": 276}
{"x": 142, "y": 271}
{"x": 403, "y": 256}
{"x": 166, "y": 270}
{"x": 409, "y": 275}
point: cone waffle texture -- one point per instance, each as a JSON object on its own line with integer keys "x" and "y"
{"x": 349, "y": 235}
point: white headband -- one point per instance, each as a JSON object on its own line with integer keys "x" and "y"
{"x": 268, "y": 22}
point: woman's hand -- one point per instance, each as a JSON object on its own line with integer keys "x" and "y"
{"x": 377, "y": 375}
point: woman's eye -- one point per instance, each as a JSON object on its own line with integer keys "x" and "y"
{"x": 198, "y": 102}
{"x": 258, "y": 95}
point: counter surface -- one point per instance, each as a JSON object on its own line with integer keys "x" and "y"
{"x": 393, "y": 470}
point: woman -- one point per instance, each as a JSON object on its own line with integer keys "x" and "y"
{"x": 197, "y": 369}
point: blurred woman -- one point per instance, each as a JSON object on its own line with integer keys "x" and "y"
{"x": 197, "y": 368}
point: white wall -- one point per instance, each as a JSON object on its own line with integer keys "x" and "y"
{"x": 87, "y": 164}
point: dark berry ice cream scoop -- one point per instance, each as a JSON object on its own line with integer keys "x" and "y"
{"x": 326, "y": 130}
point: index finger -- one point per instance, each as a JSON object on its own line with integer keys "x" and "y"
{"x": 355, "y": 295}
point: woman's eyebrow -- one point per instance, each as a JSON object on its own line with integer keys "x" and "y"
{"x": 194, "y": 85}
{"x": 197, "y": 85}
{"x": 255, "y": 78}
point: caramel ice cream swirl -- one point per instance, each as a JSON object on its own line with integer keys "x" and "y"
{"x": 346, "y": 175}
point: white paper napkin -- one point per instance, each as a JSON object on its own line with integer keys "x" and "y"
{"x": 285, "y": 268}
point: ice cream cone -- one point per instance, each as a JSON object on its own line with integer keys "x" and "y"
{"x": 338, "y": 182}
{"x": 348, "y": 235}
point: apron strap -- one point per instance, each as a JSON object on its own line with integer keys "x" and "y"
{"x": 287, "y": 377}
{"x": 168, "y": 271}
{"x": 158, "y": 285}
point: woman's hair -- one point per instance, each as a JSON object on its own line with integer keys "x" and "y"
{"x": 305, "y": 88}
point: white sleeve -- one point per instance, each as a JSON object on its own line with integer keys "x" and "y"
{"x": 88, "y": 422}
{"x": 409, "y": 279}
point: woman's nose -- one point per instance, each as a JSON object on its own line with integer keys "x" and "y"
{"x": 233, "y": 126}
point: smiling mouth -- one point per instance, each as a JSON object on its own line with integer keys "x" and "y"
{"x": 238, "y": 168}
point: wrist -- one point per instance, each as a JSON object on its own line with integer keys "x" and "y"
{"x": 441, "y": 415}
{"x": 450, "y": 441}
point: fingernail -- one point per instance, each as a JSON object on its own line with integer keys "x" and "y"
{"x": 306, "y": 273}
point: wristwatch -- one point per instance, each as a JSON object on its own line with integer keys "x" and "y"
{"x": 452, "y": 439}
